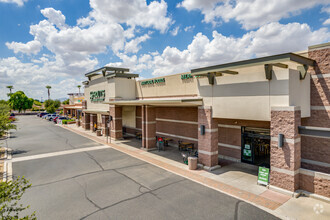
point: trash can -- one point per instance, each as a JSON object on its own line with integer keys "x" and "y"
{"x": 98, "y": 133}
{"x": 192, "y": 163}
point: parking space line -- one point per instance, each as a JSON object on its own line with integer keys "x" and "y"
{"x": 59, "y": 153}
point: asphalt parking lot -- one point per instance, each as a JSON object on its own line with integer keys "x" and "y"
{"x": 108, "y": 184}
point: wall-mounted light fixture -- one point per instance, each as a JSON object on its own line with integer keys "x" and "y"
{"x": 280, "y": 140}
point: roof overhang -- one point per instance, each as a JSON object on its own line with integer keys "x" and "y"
{"x": 158, "y": 102}
{"x": 268, "y": 62}
{"x": 96, "y": 111}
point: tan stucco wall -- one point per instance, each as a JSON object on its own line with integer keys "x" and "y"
{"x": 173, "y": 86}
{"x": 249, "y": 95}
{"x": 129, "y": 116}
{"x": 115, "y": 88}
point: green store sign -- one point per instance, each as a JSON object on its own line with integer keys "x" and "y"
{"x": 153, "y": 81}
{"x": 263, "y": 175}
{"x": 186, "y": 76}
{"x": 97, "y": 96}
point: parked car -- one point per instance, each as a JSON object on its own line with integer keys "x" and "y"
{"x": 55, "y": 119}
{"x": 61, "y": 118}
{"x": 12, "y": 117}
{"x": 50, "y": 118}
{"x": 50, "y": 115}
{"x": 43, "y": 114}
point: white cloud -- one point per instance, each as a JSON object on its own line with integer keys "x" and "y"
{"x": 175, "y": 31}
{"x": 32, "y": 79}
{"x": 18, "y": 2}
{"x": 189, "y": 28}
{"x": 133, "y": 13}
{"x": 31, "y": 47}
{"x": 327, "y": 22}
{"x": 54, "y": 16}
{"x": 326, "y": 10}
{"x": 133, "y": 46}
{"x": 250, "y": 14}
{"x": 270, "y": 39}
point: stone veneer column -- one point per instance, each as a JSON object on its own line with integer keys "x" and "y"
{"x": 207, "y": 143}
{"x": 285, "y": 161}
{"x": 116, "y": 129}
{"x": 105, "y": 129}
{"x": 86, "y": 121}
{"x": 148, "y": 127}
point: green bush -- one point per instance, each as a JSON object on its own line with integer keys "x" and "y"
{"x": 10, "y": 194}
{"x": 66, "y": 121}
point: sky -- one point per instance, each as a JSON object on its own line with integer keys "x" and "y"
{"x": 55, "y": 42}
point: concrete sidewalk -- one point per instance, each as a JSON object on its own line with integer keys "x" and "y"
{"x": 231, "y": 182}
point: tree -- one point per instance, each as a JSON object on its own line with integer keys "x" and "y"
{"x": 19, "y": 101}
{"x": 37, "y": 103}
{"x": 66, "y": 102}
{"x": 5, "y": 122}
{"x": 79, "y": 88}
{"x": 10, "y": 88}
{"x": 52, "y": 105}
{"x": 48, "y": 88}
{"x": 10, "y": 194}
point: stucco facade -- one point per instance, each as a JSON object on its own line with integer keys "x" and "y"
{"x": 237, "y": 105}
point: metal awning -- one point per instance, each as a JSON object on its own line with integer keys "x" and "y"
{"x": 268, "y": 62}
{"x": 196, "y": 101}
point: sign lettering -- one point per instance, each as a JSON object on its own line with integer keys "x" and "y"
{"x": 97, "y": 96}
{"x": 153, "y": 81}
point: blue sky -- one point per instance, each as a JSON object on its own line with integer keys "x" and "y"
{"x": 54, "y": 42}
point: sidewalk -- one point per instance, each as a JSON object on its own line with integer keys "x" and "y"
{"x": 232, "y": 183}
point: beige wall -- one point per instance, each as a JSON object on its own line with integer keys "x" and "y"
{"x": 249, "y": 95}
{"x": 115, "y": 88}
{"x": 173, "y": 86}
{"x": 129, "y": 116}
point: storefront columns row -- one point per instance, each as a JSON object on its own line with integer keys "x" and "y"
{"x": 285, "y": 160}
{"x": 148, "y": 127}
{"x": 207, "y": 138}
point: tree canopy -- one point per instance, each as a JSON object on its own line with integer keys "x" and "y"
{"x": 66, "y": 102}
{"x": 5, "y": 122}
{"x": 19, "y": 101}
{"x": 52, "y": 105}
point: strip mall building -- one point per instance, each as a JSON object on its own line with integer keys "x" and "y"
{"x": 271, "y": 111}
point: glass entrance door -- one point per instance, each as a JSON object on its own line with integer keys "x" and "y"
{"x": 256, "y": 146}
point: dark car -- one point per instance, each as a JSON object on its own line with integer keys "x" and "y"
{"x": 42, "y": 114}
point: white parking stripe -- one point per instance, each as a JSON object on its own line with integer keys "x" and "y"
{"x": 39, "y": 156}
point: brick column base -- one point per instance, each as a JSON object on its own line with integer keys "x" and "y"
{"x": 207, "y": 143}
{"x": 285, "y": 161}
{"x": 93, "y": 120}
{"x": 104, "y": 127}
{"x": 86, "y": 121}
{"x": 148, "y": 127}
{"x": 116, "y": 127}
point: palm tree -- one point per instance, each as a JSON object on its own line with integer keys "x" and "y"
{"x": 79, "y": 88}
{"x": 48, "y": 87}
{"x": 10, "y": 88}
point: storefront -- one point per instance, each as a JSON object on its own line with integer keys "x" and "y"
{"x": 256, "y": 146}
{"x": 235, "y": 111}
